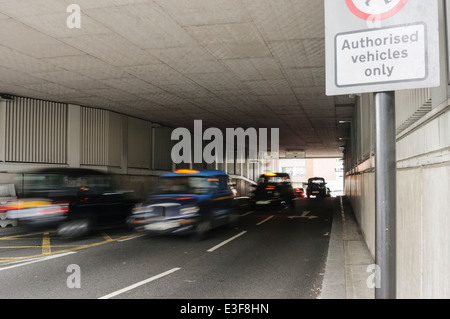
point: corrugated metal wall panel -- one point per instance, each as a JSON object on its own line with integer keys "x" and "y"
{"x": 36, "y": 131}
{"x": 115, "y": 137}
{"x": 94, "y": 136}
{"x": 411, "y": 105}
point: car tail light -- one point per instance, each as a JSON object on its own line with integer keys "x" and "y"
{"x": 55, "y": 208}
{"x": 44, "y": 206}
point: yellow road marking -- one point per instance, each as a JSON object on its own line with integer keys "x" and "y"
{"x": 106, "y": 236}
{"x": 24, "y": 235}
{"x": 18, "y": 247}
{"x": 46, "y": 247}
{"x": 10, "y": 259}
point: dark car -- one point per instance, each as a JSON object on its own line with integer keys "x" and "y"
{"x": 74, "y": 200}
{"x": 316, "y": 187}
{"x": 186, "y": 201}
{"x": 272, "y": 190}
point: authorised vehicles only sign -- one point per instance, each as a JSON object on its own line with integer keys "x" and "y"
{"x": 383, "y": 45}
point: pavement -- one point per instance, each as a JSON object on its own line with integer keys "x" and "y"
{"x": 348, "y": 273}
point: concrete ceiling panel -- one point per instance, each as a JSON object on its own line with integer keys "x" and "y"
{"x": 200, "y": 12}
{"x": 232, "y": 63}
{"x": 231, "y": 41}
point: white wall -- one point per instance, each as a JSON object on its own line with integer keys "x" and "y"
{"x": 423, "y": 206}
{"x": 423, "y": 210}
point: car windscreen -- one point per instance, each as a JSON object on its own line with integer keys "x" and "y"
{"x": 316, "y": 181}
{"x": 186, "y": 185}
{"x": 43, "y": 182}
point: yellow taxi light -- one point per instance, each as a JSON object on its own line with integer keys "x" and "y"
{"x": 186, "y": 171}
{"x": 270, "y": 174}
{"x": 27, "y": 204}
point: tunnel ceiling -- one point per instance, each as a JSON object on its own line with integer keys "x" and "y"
{"x": 230, "y": 63}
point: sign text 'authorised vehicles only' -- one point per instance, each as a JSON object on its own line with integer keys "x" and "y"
{"x": 384, "y": 55}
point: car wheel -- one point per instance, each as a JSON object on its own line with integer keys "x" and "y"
{"x": 292, "y": 204}
{"x": 74, "y": 228}
{"x": 203, "y": 228}
{"x": 234, "y": 217}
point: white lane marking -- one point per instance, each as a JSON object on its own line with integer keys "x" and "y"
{"x": 305, "y": 214}
{"x": 247, "y": 213}
{"x": 143, "y": 282}
{"x": 226, "y": 241}
{"x": 130, "y": 238}
{"x": 36, "y": 260}
{"x": 263, "y": 221}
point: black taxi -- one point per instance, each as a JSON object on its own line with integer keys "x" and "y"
{"x": 186, "y": 201}
{"x": 75, "y": 200}
{"x": 272, "y": 190}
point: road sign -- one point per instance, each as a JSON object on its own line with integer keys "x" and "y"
{"x": 365, "y": 9}
{"x": 295, "y": 154}
{"x": 381, "y": 45}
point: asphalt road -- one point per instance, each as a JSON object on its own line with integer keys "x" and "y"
{"x": 265, "y": 255}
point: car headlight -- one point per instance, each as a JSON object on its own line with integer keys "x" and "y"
{"x": 276, "y": 194}
{"x": 189, "y": 210}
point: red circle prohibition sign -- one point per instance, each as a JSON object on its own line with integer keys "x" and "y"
{"x": 379, "y": 16}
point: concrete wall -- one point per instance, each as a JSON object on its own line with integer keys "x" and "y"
{"x": 423, "y": 212}
{"x": 360, "y": 190}
{"x": 423, "y": 206}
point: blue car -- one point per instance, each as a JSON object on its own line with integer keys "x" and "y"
{"x": 186, "y": 201}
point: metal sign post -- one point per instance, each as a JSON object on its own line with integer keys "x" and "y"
{"x": 385, "y": 199}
